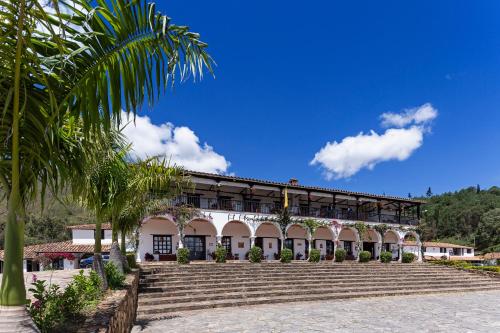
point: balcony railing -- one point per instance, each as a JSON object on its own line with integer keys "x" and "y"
{"x": 304, "y": 211}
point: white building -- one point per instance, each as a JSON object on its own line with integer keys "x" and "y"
{"x": 66, "y": 254}
{"x": 439, "y": 250}
{"x": 241, "y": 212}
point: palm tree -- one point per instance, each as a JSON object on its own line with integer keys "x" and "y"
{"x": 82, "y": 61}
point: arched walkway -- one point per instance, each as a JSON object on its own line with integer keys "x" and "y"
{"x": 297, "y": 241}
{"x": 323, "y": 240}
{"x": 268, "y": 238}
{"x": 236, "y": 239}
{"x": 158, "y": 237}
{"x": 391, "y": 243}
{"x": 371, "y": 243}
{"x": 348, "y": 237}
{"x": 411, "y": 243}
{"x": 200, "y": 237}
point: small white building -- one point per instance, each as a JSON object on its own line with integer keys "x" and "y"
{"x": 66, "y": 254}
{"x": 439, "y": 250}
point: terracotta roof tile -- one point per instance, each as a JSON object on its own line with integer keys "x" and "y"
{"x": 492, "y": 255}
{"x": 31, "y": 251}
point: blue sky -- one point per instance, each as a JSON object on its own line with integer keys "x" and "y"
{"x": 292, "y": 76}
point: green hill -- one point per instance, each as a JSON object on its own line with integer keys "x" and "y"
{"x": 469, "y": 216}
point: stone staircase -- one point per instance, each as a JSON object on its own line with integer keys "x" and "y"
{"x": 168, "y": 288}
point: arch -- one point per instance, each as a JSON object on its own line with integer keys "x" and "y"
{"x": 324, "y": 232}
{"x": 348, "y": 234}
{"x": 236, "y": 228}
{"x": 268, "y": 236}
{"x": 411, "y": 234}
{"x": 152, "y": 227}
{"x": 295, "y": 230}
{"x": 371, "y": 235}
{"x": 391, "y": 237}
{"x": 268, "y": 229}
{"x": 202, "y": 227}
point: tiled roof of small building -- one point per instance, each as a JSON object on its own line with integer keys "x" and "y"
{"x": 465, "y": 258}
{"x": 104, "y": 226}
{"x": 437, "y": 244}
{"x": 302, "y": 187}
{"x": 31, "y": 251}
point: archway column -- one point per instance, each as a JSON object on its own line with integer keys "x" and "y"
{"x": 218, "y": 239}
{"x": 419, "y": 246}
{"x": 379, "y": 248}
{"x": 252, "y": 241}
{"x": 181, "y": 242}
{"x": 400, "y": 251}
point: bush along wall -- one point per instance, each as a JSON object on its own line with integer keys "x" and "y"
{"x": 220, "y": 254}
{"x": 183, "y": 256}
{"x": 314, "y": 255}
{"x": 364, "y": 256}
{"x": 340, "y": 255}
{"x": 408, "y": 257}
{"x": 286, "y": 256}
{"x": 255, "y": 254}
{"x": 386, "y": 257}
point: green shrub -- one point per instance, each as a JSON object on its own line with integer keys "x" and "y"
{"x": 53, "y": 307}
{"x": 220, "y": 254}
{"x": 386, "y": 257}
{"x": 132, "y": 263}
{"x": 315, "y": 255}
{"x": 408, "y": 257}
{"x": 340, "y": 255}
{"x": 286, "y": 255}
{"x": 255, "y": 254}
{"x": 365, "y": 256}
{"x": 183, "y": 256}
{"x": 116, "y": 280}
{"x": 494, "y": 269}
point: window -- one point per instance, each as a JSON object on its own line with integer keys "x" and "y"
{"x": 469, "y": 251}
{"x": 442, "y": 250}
{"x": 162, "y": 244}
{"x": 226, "y": 243}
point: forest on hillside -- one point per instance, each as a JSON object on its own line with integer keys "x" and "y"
{"x": 470, "y": 217}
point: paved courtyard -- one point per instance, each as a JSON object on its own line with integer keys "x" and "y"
{"x": 465, "y": 312}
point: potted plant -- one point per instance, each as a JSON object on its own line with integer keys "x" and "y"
{"x": 299, "y": 256}
{"x": 149, "y": 257}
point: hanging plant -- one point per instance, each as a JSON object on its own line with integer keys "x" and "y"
{"x": 361, "y": 228}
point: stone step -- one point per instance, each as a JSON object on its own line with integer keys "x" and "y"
{"x": 216, "y": 279}
{"x": 379, "y": 268}
{"x": 152, "y": 311}
{"x": 312, "y": 280}
{"x": 252, "y": 267}
{"x": 155, "y": 292}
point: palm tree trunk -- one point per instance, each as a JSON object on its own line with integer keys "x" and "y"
{"x": 97, "y": 263}
{"x": 114, "y": 229}
{"x": 12, "y": 290}
{"x": 123, "y": 242}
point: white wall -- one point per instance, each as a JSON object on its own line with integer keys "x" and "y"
{"x": 270, "y": 247}
{"x": 87, "y": 236}
{"x": 156, "y": 227}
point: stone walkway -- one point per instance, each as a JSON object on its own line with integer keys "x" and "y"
{"x": 59, "y": 277}
{"x": 465, "y": 312}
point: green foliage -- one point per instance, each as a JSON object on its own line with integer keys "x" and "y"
{"x": 362, "y": 229}
{"x": 364, "y": 256}
{"x": 53, "y": 307}
{"x": 314, "y": 255}
{"x": 286, "y": 256}
{"x": 183, "y": 256}
{"x": 116, "y": 280}
{"x": 220, "y": 254}
{"x": 465, "y": 265}
{"x": 408, "y": 257}
{"x": 132, "y": 263}
{"x": 386, "y": 257}
{"x": 381, "y": 229}
{"x": 461, "y": 216}
{"x": 284, "y": 219}
{"x": 255, "y": 254}
{"x": 340, "y": 255}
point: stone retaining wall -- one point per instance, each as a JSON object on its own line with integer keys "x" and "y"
{"x": 116, "y": 313}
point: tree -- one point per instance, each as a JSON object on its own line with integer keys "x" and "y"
{"x": 488, "y": 231}
{"x": 429, "y": 192}
{"x": 85, "y": 62}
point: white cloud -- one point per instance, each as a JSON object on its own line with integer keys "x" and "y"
{"x": 180, "y": 144}
{"x": 418, "y": 115}
{"x": 345, "y": 158}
